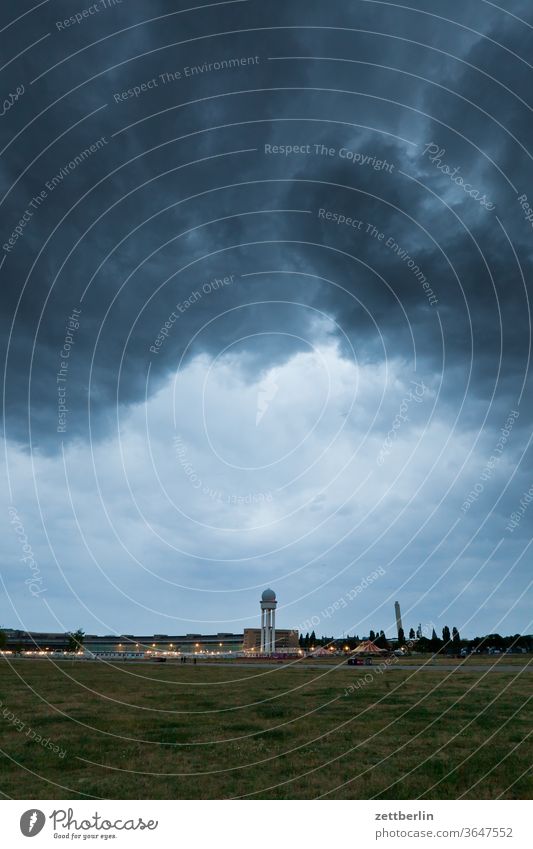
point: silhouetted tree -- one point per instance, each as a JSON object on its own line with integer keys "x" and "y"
{"x": 435, "y": 643}
{"x": 456, "y": 638}
{"x": 493, "y": 641}
{"x": 381, "y": 641}
{"x": 312, "y": 639}
{"x": 3, "y": 639}
{"x": 419, "y": 631}
{"x": 401, "y": 637}
{"x": 75, "y": 640}
{"x": 446, "y": 635}
{"x": 412, "y": 634}
{"x": 423, "y": 645}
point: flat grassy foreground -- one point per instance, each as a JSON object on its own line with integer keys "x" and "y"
{"x": 163, "y": 731}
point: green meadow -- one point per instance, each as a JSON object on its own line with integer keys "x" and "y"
{"x": 172, "y": 731}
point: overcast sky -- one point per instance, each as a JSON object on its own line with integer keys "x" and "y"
{"x": 265, "y": 320}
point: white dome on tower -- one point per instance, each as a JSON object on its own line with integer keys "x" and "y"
{"x": 268, "y": 595}
{"x": 268, "y": 606}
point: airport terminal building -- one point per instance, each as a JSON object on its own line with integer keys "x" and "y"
{"x": 265, "y": 640}
{"x": 222, "y": 643}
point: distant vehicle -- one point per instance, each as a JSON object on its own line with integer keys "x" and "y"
{"x": 359, "y": 661}
{"x": 160, "y": 659}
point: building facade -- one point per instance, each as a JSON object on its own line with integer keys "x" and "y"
{"x": 264, "y": 640}
{"x": 201, "y": 644}
{"x": 286, "y": 641}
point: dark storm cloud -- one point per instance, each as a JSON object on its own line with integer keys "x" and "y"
{"x": 141, "y": 207}
{"x": 485, "y": 288}
{"x": 143, "y": 184}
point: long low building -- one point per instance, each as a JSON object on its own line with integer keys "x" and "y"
{"x": 266, "y": 640}
{"x": 221, "y": 643}
{"x": 200, "y": 644}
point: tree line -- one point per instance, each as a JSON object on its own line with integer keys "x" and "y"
{"x": 450, "y": 642}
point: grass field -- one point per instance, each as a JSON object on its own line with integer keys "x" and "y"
{"x": 166, "y": 731}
